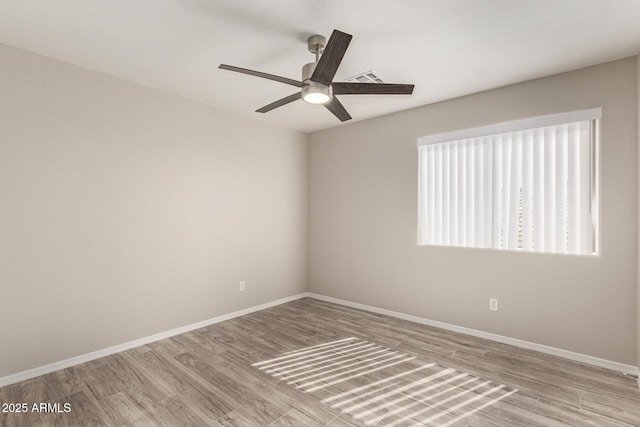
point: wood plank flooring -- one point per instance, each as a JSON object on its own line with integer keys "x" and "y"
{"x": 313, "y": 363}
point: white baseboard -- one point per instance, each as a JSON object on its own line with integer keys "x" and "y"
{"x": 52, "y": 367}
{"x": 578, "y": 357}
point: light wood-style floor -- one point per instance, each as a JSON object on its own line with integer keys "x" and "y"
{"x": 312, "y": 363}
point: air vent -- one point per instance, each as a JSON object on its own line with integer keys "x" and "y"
{"x": 366, "y": 77}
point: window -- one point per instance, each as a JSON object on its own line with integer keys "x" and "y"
{"x": 527, "y": 185}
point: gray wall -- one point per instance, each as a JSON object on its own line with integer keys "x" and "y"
{"x": 363, "y": 223}
{"x": 125, "y": 211}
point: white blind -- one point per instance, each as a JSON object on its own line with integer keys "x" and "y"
{"x": 526, "y": 190}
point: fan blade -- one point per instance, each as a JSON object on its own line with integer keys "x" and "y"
{"x": 371, "y": 89}
{"x": 273, "y": 77}
{"x": 331, "y": 57}
{"x": 338, "y": 109}
{"x": 280, "y": 102}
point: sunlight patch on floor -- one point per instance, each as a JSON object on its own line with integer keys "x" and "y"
{"x": 379, "y": 386}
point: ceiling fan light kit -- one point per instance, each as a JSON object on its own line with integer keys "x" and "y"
{"x": 317, "y": 85}
{"x": 316, "y": 93}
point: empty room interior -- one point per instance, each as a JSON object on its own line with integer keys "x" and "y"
{"x": 319, "y": 213}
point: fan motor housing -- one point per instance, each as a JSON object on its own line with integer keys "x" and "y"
{"x": 314, "y": 92}
{"x": 307, "y": 71}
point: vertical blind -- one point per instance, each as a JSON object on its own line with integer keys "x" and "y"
{"x": 530, "y": 190}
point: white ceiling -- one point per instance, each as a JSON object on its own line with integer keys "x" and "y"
{"x": 447, "y": 48}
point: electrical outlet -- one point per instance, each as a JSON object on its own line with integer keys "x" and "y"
{"x": 493, "y": 304}
{"x": 242, "y": 286}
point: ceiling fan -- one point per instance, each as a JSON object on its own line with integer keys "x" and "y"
{"x": 317, "y": 85}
